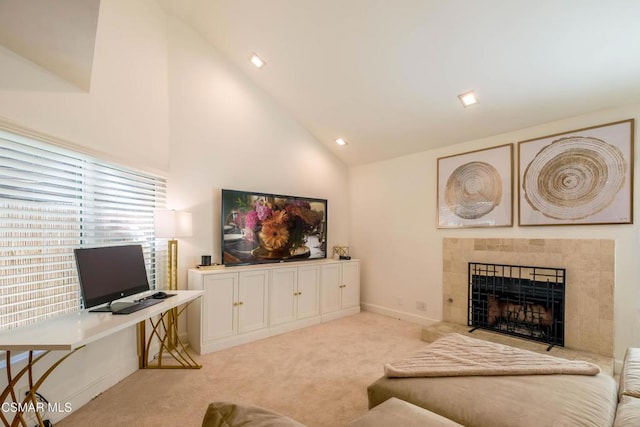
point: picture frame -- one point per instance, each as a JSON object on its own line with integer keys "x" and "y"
{"x": 475, "y": 188}
{"x": 579, "y": 177}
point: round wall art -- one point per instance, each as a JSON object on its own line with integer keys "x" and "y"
{"x": 574, "y": 178}
{"x": 473, "y": 190}
{"x": 579, "y": 177}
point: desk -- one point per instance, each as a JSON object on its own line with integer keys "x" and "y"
{"x": 73, "y": 331}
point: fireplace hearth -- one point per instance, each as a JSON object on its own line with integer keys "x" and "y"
{"x": 523, "y": 301}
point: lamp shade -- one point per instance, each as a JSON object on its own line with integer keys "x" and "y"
{"x": 171, "y": 223}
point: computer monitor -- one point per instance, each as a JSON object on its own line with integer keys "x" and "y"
{"x": 110, "y": 273}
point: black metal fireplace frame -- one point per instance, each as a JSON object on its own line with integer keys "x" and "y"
{"x": 525, "y": 287}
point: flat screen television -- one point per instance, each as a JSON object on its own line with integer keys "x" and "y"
{"x": 110, "y": 273}
{"x": 266, "y": 228}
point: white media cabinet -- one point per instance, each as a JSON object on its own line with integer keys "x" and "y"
{"x": 247, "y": 303}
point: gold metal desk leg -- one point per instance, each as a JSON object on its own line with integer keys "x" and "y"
{"x": 165, "y": 330}
{"x": 142, "y": 342}
{"x": 22, "y": 402}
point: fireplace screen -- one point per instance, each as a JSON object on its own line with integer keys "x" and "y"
{"x": 527, "y": 302}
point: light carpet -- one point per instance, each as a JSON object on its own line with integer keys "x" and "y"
{"x": 316, "y": 375}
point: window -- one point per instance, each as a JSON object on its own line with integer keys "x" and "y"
{"x": 53, "y": 200}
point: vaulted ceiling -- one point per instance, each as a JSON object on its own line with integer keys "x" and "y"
{"x": 58, "y": 35}
{"x": 385, "y": 74}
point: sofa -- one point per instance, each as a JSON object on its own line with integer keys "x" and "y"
{"x": 479, "y": 401}
{"x": 523, "y": 400}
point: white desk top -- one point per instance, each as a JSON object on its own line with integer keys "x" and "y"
{"x": 74, "y": 330}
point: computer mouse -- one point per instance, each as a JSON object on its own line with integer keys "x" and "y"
{"x": 159, "y": 295}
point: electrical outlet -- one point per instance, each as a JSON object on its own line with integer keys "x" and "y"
{"x": 399, "y": 302}
{"x": 421, "y": 305}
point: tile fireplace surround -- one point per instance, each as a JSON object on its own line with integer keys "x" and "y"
{"x": 590, "y": 266}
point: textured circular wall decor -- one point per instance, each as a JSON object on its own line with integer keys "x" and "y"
{"x": 473, "y": 190}
{"x": 574, "y": 178}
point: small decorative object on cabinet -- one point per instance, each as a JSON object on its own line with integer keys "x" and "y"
{"x": 341, "y": 252}
{"x": 247, "y": 303}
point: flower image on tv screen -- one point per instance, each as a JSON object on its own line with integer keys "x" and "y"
{"x": 262, "y": 228}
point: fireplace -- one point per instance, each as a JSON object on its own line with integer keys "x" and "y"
{"x": 523, "y": 301}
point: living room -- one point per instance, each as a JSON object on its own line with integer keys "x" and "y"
{"x": 165, "y": 100}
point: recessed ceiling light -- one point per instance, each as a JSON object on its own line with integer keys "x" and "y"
{"x": 468, "y": 98}
{"x": 257, "y": 61}
{"x": 341, "y": 141}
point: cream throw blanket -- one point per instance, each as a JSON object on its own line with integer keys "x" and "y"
{"x": 458, "y": 355}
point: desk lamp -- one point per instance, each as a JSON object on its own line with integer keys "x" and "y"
{"x": 172, "y": 224}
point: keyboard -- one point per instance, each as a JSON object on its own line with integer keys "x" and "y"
{"x": 137, "y": 306}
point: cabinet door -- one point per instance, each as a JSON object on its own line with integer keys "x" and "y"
{"x": 218, "y": 302}
{"x": 308, "y": 292}
{"x": 252, "y": 300}
{"x": 283, "y": 295}
{"x": 330, "y": 280}
{"x": 351, "y": 284}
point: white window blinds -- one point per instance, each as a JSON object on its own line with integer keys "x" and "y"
{"x": 53, "y": 200}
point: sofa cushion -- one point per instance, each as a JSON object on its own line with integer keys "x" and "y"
{"x": 630, "y": 374}
{"x": 507, "y": 401}
{"x": 227, "y": 414}
{"x": 628, "y": 414}
{"x": 396, "y": 412}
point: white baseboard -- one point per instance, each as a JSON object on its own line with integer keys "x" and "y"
{"x": 234, "y": 340}
{"x": 292, "y": 326}
{"x": 334, "y": 315}
{"x": 409, "y": 317}
{"x": 81, "y": 396}
{"x": 243, "y": 338}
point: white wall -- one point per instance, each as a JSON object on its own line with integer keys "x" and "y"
{"x": 226, "y": 133}
{"x": 393, "y": 229}
{"x": 164, "y": 100}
